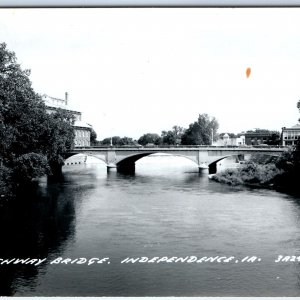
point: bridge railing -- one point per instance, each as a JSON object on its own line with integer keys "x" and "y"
{"x": 179, "y": 146}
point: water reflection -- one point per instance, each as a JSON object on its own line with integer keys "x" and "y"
{"x": 165, "y": 208}
{"x": 37, "y": 225}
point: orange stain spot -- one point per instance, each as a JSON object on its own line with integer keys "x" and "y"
{"x": 248, "y": 72}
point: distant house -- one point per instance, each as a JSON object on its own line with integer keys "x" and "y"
{"x": 226, "y": 140}
{"x": 290, "y": 136}
{"x": 82, "y": 129}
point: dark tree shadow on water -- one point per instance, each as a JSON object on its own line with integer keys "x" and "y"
{"x": 38, "y": 223}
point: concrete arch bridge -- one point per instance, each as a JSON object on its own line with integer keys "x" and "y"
{"x": 124, "y": 158}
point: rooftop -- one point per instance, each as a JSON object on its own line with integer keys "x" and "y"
{"x": 82, "y": 124}
{"x": 58, "y": 103}
{"x": 297, "y": 126}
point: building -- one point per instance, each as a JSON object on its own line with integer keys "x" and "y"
{"x": 82, "y": 129}
{"x": 264, "y": 137}
{"x": 225, "y": 140}
{"x": 290, "y": 136}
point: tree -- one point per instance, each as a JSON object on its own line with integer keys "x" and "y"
{"x": 275, "y": 138}
{"x": 150, "y": 138}
{"x": 117, "y": 141}
{"x": 258, "y": 130}
{"x": 126, "y": 141}
{"x": 172, "y": 137}
{"x": 30, "y": 165}
{"x": 32, "y": 142}
{"x": 57, "y": 138}
{"x": 201, "y": 131}
{"x": 106, "y": 141}
{"x": 93, "y": 136}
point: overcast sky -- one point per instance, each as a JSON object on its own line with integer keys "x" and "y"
{"x": 132, "y": 71}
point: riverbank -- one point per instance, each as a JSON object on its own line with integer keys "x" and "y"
{"x": 251, "y": 174}
{"x": 261, "y": 176}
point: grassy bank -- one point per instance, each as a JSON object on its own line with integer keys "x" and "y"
{"x": 252, "y": 174}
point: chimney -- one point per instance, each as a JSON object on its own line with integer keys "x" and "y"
{"x": 66, "y": 98}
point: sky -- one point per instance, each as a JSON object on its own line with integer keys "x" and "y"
{"x": 137, "y": 70}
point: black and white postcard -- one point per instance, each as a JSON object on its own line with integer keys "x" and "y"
{"x": 150, "y": 152}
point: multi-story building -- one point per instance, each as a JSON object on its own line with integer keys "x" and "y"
{"x": 82, "y": 129}
{"x": 290, "y": 136}
{"x": 262, "y": 137}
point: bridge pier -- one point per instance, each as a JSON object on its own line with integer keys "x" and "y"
{"x": 128, "y": 168}
{"x": 110, "y": 167}
{"x": 203, "y": 169}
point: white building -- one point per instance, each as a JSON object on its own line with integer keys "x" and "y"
{"x": 290, "y": 136}
{"x": 225, "y": 140}
{"x": 82, "y": 129}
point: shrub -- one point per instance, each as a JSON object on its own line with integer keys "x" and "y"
{"x": 251, "y": 173}
{"x": 29, "y": 166}
{"x": 5, "y": 182}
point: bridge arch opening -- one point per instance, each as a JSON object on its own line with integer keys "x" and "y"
{"x": 149, "y": 160}
{"x": 225, "y": 162}
{"x": 78, "y": 158}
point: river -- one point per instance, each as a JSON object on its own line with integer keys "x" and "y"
{"x": 166, "y": 210}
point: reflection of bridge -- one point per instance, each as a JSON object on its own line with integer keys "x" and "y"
{"x": 124, "y": 158}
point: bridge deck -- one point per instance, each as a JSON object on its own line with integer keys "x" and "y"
{"x": 170, "y": 149}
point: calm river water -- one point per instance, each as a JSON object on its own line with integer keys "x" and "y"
{"x": 165, "y": 210}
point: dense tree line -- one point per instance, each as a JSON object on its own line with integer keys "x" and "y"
{"x": 118, "y": 141}
{"x": 32, "y": 141}
{"x": 200, "y": 132}
{"x": 172, "y": 137}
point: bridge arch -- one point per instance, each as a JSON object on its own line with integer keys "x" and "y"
{"x": 128, "y": 163}
{"x": 212, "y": 167}
{"x": 86, "y": 154}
